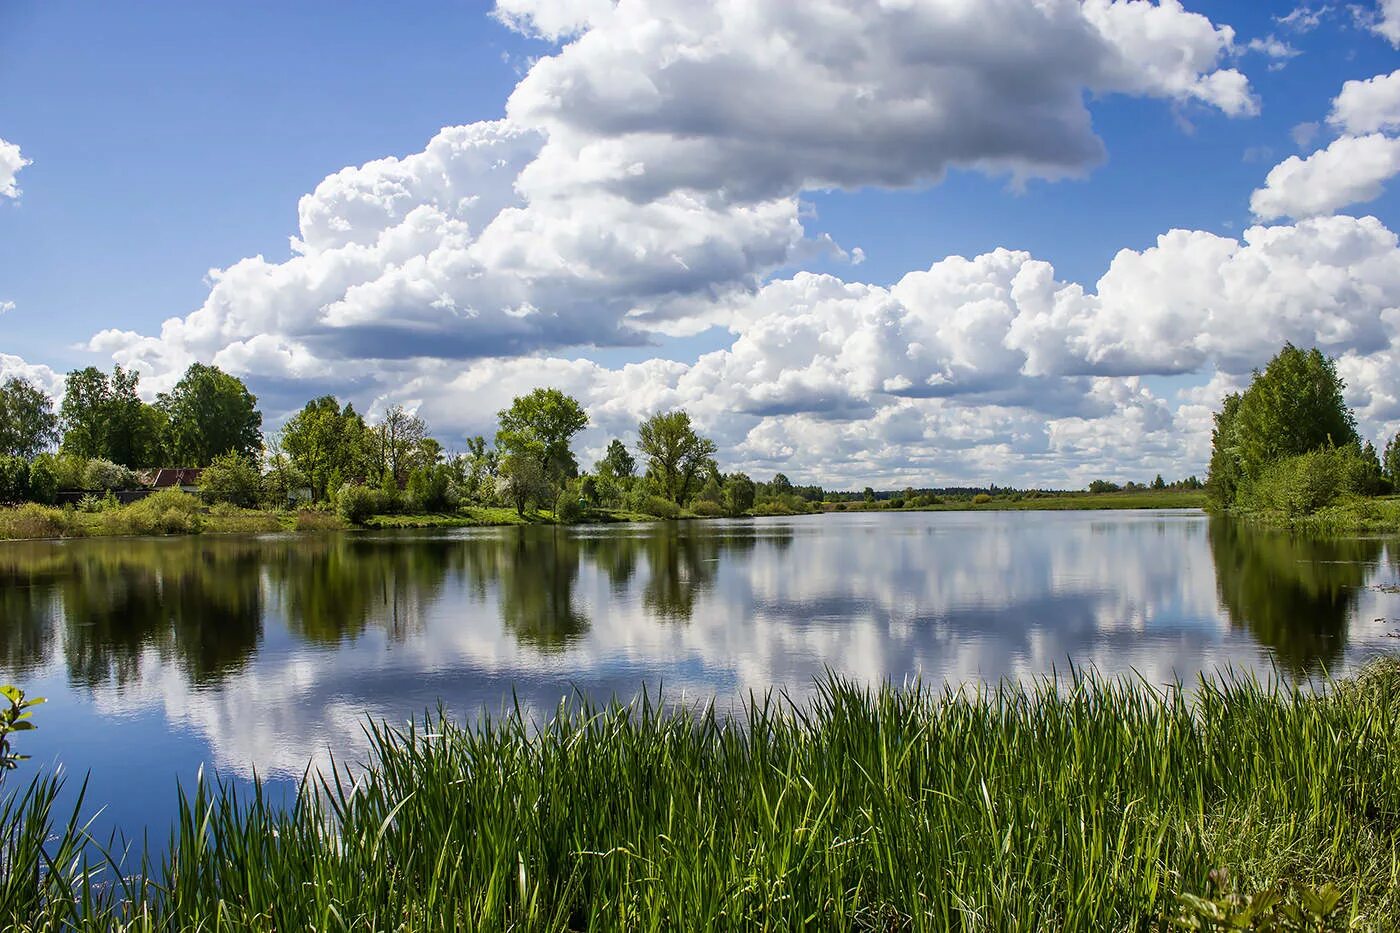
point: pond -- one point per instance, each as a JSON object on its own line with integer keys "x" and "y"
{"x": 266, "y": 654}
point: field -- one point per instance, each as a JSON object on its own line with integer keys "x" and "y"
{"x": 1083, "y": 805}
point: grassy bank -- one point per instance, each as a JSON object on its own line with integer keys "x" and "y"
{"x": 164, "y": 513}
{"x": 1353, "y": 515}
{"x": 1094, "y": 807}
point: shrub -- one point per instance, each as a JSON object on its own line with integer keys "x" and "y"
{"x": 14, "y": 479}
{"x": 38, "y": 521}
{"x": 43, "y": 483}
{"x": 896, "y": 503}
{"x": 104, "y": 474}
{"x": 168, "y": 512}
{"x": 1303, "y": 484}
{"x": 68, "y": 470}
{"x": 1102, "y": 485}
{"x": 569, "y": 510}
{"x": 706, "y": 508}
{"x": 840, "y": 506}
{"x": 431, "y": 489}
{"x": 357, "y": 503}
{"x": 661, "y": 507}
{"x": 231, "y": 479}
{"x": 981, "y": 498}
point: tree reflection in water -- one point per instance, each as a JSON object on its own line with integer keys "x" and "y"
{"x": 1294, "y": 593}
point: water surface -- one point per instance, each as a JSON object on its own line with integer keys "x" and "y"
{"x": 266, "y": 653}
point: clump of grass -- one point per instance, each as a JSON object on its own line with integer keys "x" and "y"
{"x": 38, "y": 521}
{"x": 307, "y": 520}
{"x": 168, "y": 512}
{"x": 1084, "y": 805}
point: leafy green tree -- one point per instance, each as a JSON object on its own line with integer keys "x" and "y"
{"x": 618, "y": 462}
{"x": 210, "y": 413}
{"x": 1390, "y": 461}
{"x": 231, "y": 478}
{"x": 738, "y": 494}
{"x": 479, "y": 469}
{"x": 869, "y": 494}
{"x": 14, "y": 478}
{"x": 282, "y": 481}
{"x": 1225, "y": 474}
{"x": 1159, "y": 483}
{"x": 104, "y": 417}
{"x": 1293, "y": 406}
{"x": 676, "y": 454}
{"x": 327, "y": 444}
{"x": 542, "y": 425}
{"x": 28, "y": 424}
{"x": 521, "y": 480}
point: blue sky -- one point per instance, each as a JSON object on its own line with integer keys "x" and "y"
{"x": 167, "y": 139}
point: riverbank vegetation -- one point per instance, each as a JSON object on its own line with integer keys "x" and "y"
{"x": 1083, "y": 805}
{"x": 1286, "y": 451}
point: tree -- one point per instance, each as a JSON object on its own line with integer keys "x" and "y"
{"x": 676, "y": 455}
{"x": 104, "y": 417}
{"x": 1159, "y": 483}
{"x": 1224, "y": 475}
{"x": 1390, "y": 461}
{"x": 327, "y": 445}
{"x": 617, "y": 462}
{"x": 1294, "y": 406}
{"x": 27, "y": 422}
{"x": 210, "y": 414}
{"x": 739, "y": 492}
{"x": 399, "y": 441}
{"x": 231, "y": 478}
{"x": 521, "y": 480}
{"x": 542, "y": 424}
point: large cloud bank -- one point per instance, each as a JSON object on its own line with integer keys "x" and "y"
{"x": 646, "y": 180}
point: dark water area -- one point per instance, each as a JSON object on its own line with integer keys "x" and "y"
{"x": 266, "y": 654}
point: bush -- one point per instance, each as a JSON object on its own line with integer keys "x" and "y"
{"x": 231, "y": 479}
{"x": 896, "y": 503}
{"x": 705, "y": 508}
{"x": 840, "y": 506}
{"x": 104, "y": 474}
{"x": 14, "y": 479}
{"x": 431, "y": 489}
{"x": 661, "y": 507}
{"x": 357, "y": 503}
{"x": 1303, "y": 484}
{"x": 43, "y": 483}
{"x": 168, "y": 512}
{"x": 981, "y": 498}
{"x": 1100, "y": 486}
{"x": 38, "y": 521}
{"x": 569, "y": 511}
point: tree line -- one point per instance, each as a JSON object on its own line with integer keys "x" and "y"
{"x": 329, "y": 455}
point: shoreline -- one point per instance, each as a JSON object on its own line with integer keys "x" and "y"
{"x": 34, "y": 523}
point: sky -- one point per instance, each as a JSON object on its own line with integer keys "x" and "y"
{"x": 887, "y": 242}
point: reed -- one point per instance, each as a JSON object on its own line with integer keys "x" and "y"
{"x": 1079, "y": 804}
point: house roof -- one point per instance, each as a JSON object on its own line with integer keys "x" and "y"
{"x": 167, "y": 477}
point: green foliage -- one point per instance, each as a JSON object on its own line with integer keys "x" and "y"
{"x": 431, "y": 488}
{"x": 569, "y": 511}
{"x": 1390, "y": 461}
{"x": 1283, "y": 908}
{"x": 1300, "y": 485}
{"x": 14, "y": 479}
{"x": 738, "y": 495}
{"x": 983, "y": 498}
{"x": 233, "y": 479}
{"x": 1099, "y": 486}
{"x": 356, "y": 503}
{"x": 520, "y": 480}
{"x": 104, "y": 474}
{"x": 37, "y": 521}
{"x": 617, "y": 462}
{"x": 43, "y": 482}
{"x": 104, "y": 417}
{"x": 14, "y": 718}
{"x": 28, "y": 424}
{"x": 676, "y": 454}
{"x": 168, "y": 512}
{"x": 707, "y": 508}
{"x": 541, "y": 425}
{"x": 660, "y": 507}
{"x": 210, "y": 413}
{"x": 1294, "y": 406}
{"x": 326, "y": 442}
{"x": 401, "y": 445}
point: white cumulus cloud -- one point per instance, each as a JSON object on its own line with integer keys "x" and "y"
{"x": 1368, "y": 106}
{"x": 11, "y": 161}
{"x": 1352, "y": 170}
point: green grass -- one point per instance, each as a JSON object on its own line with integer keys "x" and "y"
{"x": 166, "y": 513}
{"x": 1089, "y": 805}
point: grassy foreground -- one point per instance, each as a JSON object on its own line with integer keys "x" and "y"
{"x": 1090, "y": 807}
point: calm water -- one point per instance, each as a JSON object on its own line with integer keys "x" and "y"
{"x": 266, "y": 653}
